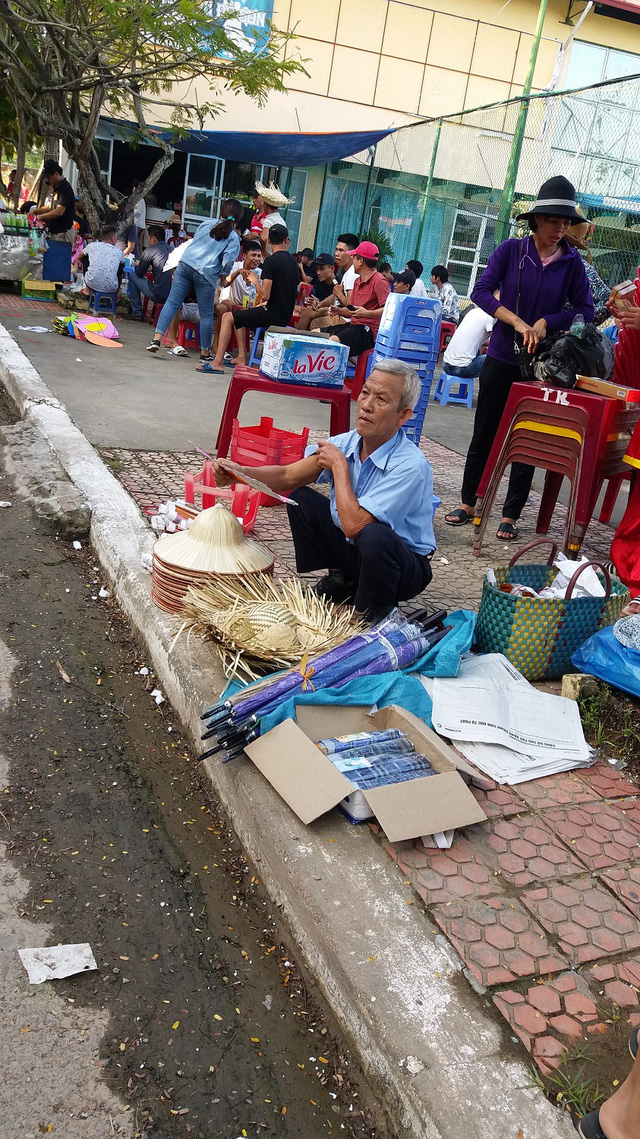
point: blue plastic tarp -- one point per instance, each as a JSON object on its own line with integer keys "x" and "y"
{"x": 279, "y": 149}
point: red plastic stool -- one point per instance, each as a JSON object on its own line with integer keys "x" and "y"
{"x": 184, "y": 328}
{"x": 251, "y": 380}
{"x": 244, "y": 499}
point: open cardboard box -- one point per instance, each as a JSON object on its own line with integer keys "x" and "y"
{"x": 310, "y": 784}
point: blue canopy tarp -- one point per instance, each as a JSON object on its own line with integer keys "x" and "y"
{"x": 278, "y": 149}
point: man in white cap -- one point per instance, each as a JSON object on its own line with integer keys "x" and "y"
{"x": 273, "y": 200}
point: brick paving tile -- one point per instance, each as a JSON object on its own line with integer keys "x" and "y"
{"x": 631, "y": 808}
{"x": 625, "y": 883}
{"x": 619, "y": 982}
{"x": 442, "y": 875}
{"x": 609, "y": 783}
{"x": 523, "y": 850}
{"x": 598, "y": 834}
{"x": 498, "y": 801}
{"x": 564, "y": 790}
{"x": 586, "y": 920}
{"x": 497, "y": 940}
{"x": 561, "y": 1006}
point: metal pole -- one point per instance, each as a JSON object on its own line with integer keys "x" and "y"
{"x": 367, "y": 188}
{"x": 506, "y": 201}
{"x": 427, "y": 191}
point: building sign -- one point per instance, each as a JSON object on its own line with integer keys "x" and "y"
{"x": 392, "y": 222}
{"x": 244, "y": 21}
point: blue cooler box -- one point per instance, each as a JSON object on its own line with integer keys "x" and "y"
{"x": 308, "y": 360}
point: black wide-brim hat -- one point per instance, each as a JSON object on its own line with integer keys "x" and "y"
{"x": 556, "y": 198}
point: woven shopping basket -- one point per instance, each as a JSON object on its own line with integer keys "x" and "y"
{"x": 539, "y": 635}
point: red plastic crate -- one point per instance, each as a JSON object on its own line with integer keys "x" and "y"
{"x": 266, "y": 445}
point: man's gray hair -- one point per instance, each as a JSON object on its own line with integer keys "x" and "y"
{"x": 412, "y": 386}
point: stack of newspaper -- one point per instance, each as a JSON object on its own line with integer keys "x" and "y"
{"x": 504, "y": 725}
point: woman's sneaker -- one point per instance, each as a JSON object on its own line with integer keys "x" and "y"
{"x": 154, "y": 346}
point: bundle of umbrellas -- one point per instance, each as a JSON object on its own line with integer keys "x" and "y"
{"x": 394, "y": 644}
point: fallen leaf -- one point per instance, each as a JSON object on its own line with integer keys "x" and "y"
{"x": 65, "y": 675}
{"x": 176, "y": 1024}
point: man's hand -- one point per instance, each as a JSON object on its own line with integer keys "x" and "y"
{"x": 330, "y": 457}
{"x": 360, "y": 312}
{"x": 222, "y": 477}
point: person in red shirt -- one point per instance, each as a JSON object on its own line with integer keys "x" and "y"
{"x": 257, "y": 221}
{"x": 368, "y": 296}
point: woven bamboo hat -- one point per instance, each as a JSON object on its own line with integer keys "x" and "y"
{"x": 273, "y": 195}
{"x": 214, "y": 546}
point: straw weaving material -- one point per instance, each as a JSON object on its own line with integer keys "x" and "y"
{"x": 259, "y": 625}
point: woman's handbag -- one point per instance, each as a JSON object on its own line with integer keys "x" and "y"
{"x": 540, "y": 635}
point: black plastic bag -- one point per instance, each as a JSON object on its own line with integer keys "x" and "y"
{"x": 561, "y": 357}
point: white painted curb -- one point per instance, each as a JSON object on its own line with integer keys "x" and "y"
{"x": 389, "y": 979}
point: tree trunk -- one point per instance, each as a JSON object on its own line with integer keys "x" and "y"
{"x": 21, "y": 150}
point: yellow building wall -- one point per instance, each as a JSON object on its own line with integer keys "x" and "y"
{"x": 420, "y": 58}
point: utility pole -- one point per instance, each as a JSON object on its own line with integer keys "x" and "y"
{"x": 506, "y": 201}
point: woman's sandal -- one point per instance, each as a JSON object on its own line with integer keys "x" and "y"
{"x": 458, "y": 517}
{"x": 589, "y": 1126}
{"x": 507, "y": 532}
{"x": 178, "y": 351}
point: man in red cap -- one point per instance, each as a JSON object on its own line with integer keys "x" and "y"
{"x": 368, "y": 296}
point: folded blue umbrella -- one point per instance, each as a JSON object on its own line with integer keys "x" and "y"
{"x": 402, "y": 688}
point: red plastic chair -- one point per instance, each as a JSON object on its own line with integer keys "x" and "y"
{"x": 447, "y": 329}
{"x": 609, "y": 426}
{"x": 251, "y": 380}
{"x": 245, "y": 501}
{"x": 363, "y": 365}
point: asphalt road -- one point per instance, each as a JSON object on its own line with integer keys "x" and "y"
{"x": 197, "y": 1021}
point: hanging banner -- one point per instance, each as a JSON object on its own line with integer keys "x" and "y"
{"x": 245, "y": 22}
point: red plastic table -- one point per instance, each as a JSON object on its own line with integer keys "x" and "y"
{"x": 610, "y": 424}
{"x": 251, "y": 380}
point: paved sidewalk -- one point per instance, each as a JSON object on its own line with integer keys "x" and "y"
{"x": 540, "y": 903}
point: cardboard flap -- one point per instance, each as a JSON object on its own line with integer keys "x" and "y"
{"x": 304, "y": 777}
{"x": 424, "y": 806}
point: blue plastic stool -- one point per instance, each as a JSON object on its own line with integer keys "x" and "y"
{"x": 96, "y": 305}
{"x": 253, "y": 359}
{"x": 444, "y": 394}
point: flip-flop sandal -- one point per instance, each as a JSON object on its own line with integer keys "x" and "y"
{"x": 507, "y": 532}
{"x": 589, "y": 1126}
{"x": 458, "y": 517}
{"x": 178, "y": 351}
{"x": 633, "y": 1043}
{"x": 206, "y": 367}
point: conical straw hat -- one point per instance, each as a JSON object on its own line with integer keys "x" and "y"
{"x": 215, "y": 543}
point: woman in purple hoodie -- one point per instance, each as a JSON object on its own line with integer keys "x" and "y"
{"x": 534, "y": 277}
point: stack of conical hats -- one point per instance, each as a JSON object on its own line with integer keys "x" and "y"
{"x": 214, "y": 546}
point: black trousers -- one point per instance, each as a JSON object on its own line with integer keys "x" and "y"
{"x": 496, "y": 379}
{"x": 381, "y": 565}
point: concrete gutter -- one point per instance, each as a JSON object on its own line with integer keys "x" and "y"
{"x": 437, "y": 1058}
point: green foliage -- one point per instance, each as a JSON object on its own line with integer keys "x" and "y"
{"x": 160, "y": 63}
{"x": 379, "y": 238}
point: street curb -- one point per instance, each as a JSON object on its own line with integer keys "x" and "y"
{"x": 430, "y": 1049}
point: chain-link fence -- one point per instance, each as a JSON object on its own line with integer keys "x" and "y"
{"x": 447, "y": 191}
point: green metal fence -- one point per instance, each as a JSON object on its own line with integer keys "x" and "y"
{"x": 435, "y": 189}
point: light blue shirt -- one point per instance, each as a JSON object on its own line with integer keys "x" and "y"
{"x": 395, "y": 484}
{"x": 210, "y": 257}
